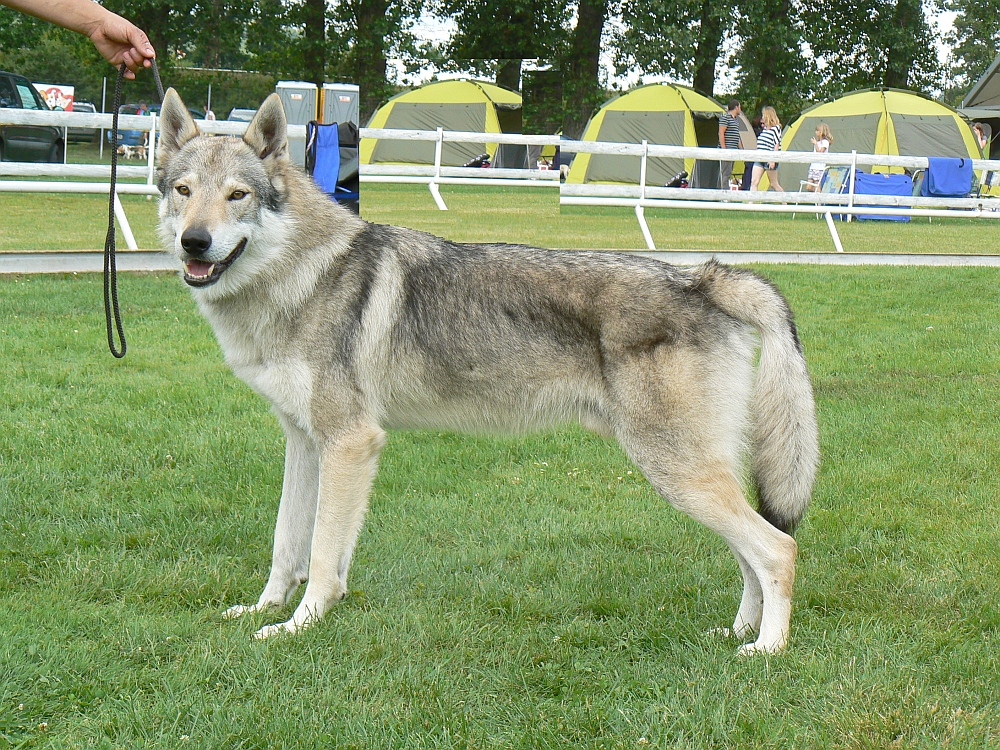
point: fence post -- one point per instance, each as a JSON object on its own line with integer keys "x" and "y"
{"x": 833, "y": 232}
{"x": 151, "y": 150}
{"x": 640, "y": 212}
{"x": 850, "y": 192}
{"x": 432, "y": 185}
{"x": 123, "y": 224}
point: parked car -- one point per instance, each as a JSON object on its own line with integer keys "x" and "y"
{"x": 132, "y": 137}
{"x": 39, "y": 143}
{"x": 83, "y": 135}
{"x": 241, "y": 115}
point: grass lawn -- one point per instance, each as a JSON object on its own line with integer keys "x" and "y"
{"x": 505, "y": 592}
{"x": 528, "y": 216}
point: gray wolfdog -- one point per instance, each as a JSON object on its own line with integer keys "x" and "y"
{"x": 349, "y": 328}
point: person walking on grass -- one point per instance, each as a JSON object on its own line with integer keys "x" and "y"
{"x": 768, "y": 140}
{"x": 729, "y": 137}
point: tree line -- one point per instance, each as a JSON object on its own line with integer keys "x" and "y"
{"x": 787, "y": 53}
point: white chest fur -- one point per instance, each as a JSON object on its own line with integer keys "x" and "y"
{"x": 260, "y": 360}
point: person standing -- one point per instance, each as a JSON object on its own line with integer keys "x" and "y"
{"x": 768, "y": 140}
{"x": 729, "y": 137}
{"x": 821, "y": 145}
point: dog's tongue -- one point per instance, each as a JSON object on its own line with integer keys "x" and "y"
{"x": 198, "y": 268}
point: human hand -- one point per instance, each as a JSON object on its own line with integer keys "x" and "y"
{"x": 120, "y": 41}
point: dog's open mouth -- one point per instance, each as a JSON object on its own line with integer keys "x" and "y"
{"x": 202, "y": 273}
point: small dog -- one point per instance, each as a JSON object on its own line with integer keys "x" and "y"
{"x": 133, "y": 152}
{"x": 348, "y": 328}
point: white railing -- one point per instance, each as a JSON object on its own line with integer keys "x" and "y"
{"x": 434, "y": 175}
{"x": 638, "y": 196}
{"x": 642, "y": 196}
{"x": 67, "y": 173}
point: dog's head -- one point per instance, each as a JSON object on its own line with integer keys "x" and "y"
{"x": 216, "y": 193}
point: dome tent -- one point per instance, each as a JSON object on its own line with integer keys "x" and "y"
{"x": 665, "y": 114}
{"x": 463, "y": 105}
{"x": 882, "y": 121}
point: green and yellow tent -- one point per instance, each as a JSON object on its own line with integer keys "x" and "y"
{"x": 665, "y": 114}
{"x": 884, "y": 121}
{"x": 464, "y": 105}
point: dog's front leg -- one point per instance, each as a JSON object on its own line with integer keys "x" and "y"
{"x": 347, "y": 470}
{"x": 294, "y": 528}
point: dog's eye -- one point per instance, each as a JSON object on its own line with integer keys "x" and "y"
{"x": 183, "y": 190}
{"x": 238, "y": 195}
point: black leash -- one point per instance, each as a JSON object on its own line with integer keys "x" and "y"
{"x": 110, "y": 263}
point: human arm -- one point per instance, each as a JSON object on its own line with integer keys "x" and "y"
{"x": 722, "y": 136}
{"x": 118, "y": 40}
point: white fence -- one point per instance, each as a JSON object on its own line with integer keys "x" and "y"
{"x": 434, "y": 175}
{"x": 639, "y": 197}
{"x": 644, "y": 196}
{"x": 68, "y": 175}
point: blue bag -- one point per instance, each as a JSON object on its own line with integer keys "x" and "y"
{"x": 882, "y": 184}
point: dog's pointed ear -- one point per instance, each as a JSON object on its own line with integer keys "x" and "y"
{"x": 267, "y": 132}
{"x": 176, "y": 125}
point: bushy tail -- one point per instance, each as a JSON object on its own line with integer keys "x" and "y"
{"x": 785, "y": 437}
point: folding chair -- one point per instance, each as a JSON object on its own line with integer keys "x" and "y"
{"x": 947, "y": 178}
{"x": 332, "y": 158}
{"x": 833, "y": 181}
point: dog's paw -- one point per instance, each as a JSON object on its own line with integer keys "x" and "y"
{"x": 719, "y": 633}
{"x": 237, "y": 611}
{"x": 281, "y": 628}
{"x": 755, "y": 648}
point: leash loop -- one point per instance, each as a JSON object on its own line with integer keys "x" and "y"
{"x": 112, "y": 312}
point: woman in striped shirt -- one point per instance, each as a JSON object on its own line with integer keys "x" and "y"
{"x": 768, "y": 140}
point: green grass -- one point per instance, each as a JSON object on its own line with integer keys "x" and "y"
{"x": 528, "y": 216}
{"x": 534, "y": 217}
{"x": 522, "y": 592}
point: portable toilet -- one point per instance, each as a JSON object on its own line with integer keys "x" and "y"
{"x": 341, "y": 103}
{"x": 299, "y": 100}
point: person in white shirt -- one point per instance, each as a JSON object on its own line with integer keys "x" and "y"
{"x": 821, "y": 144}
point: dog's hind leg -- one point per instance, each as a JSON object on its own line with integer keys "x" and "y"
{"x": 751, "y": 610}
{"x": 294, "y": 528}
{"x": 347, "y": 466}
{"x": 709, "y": 491}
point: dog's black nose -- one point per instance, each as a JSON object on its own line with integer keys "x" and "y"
{"x": 196, "y": 240}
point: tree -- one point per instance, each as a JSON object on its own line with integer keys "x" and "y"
{"x": 871, "y": 43}
{"x": 506, "y": 31}
{"x": 975, "y": 39}
{"x": 372, "y": 31}
{"x": 582, "y": 89}
{"x": 772, "y": 67}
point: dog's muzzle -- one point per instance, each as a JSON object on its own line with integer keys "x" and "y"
{"x": 204, "y": 273}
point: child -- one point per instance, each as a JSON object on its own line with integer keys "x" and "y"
{"x": 821, "y": 144}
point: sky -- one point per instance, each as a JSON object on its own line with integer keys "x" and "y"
{"x": 429, "y": 28}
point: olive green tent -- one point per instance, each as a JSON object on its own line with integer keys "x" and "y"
{"x": 982, "y": 104}
{"x": 661, "y": 113}
{"x": 884, "y": 121}
{"x": 461, "y": 105}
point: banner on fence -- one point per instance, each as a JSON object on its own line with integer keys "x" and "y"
{"x": 56, "y": 95}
